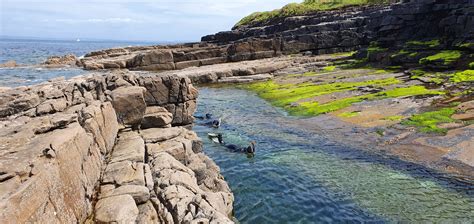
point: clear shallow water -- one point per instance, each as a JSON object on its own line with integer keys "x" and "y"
{"x": 31, "y": 52}
{"x": 300, "y": 177}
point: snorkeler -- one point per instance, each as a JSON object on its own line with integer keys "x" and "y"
{"x": 205, "y": 117}
{"x": 214, "y": 123}
{"x": 217, "y": 138}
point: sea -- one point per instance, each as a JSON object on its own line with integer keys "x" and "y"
{"x": 28, "y": 53}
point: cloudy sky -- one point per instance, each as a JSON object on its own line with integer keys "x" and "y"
{"x": 147, "y": 20}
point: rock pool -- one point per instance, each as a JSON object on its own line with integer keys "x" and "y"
{"x": 298, "y": 176}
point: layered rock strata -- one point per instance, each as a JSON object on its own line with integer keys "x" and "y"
{"x": 74, "y": 151}
{"x": 451, "y": 22}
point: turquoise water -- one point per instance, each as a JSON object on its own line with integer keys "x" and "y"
{"x": 301, "y": 177}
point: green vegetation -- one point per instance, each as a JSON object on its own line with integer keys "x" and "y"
{"x": 417, "y": 73}
{"x": 414, "y": 54}
{"x": 329, "y": 68}
{"x": 394, "y": 118}
{"x": 466, "y": 45}
{"x": 349, "y": 114}
{"x": 375, "y": 48}
{"x": 471, "y": 65}
{"x": 447, "y": 57}
{"x": 344, "y": 54}
{"x": 431, "y": 43}
{"x": 314, "y": 108}
{"x": 400, "y": 53}
{"x": 464, "y": 76}
{"x": 306, "y": 7}
{"x": 429, "y": 121}
{"x": 284, "y": 95}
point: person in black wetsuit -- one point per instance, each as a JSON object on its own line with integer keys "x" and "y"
{"x": 214, "y": 123}
{"x": 250, "y": 150}
{"x": 205, "y": 117}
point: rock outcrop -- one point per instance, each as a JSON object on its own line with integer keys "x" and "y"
{"x": 341, "y": 30}
{"x": 72, "y": 151}
{"x": 9, "y": 64}
{"x": 59, "y": 61}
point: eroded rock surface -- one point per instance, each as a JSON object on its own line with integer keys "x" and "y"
{"x": 68, "y": 156}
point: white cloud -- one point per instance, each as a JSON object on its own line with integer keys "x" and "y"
{"x": 127, "y": 19}
{"x": 103, "y": 20}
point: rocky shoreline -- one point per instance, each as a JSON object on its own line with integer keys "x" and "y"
{"x": 116, "y": 146}
{"x": 73, "y": 151}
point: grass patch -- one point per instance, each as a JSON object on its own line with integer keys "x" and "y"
{"x": 306, "y": 7}
{"x": 417, "y": 73}
{"x": 329, "y": 68}
{"x": 464, "y": 76}
{"x": 429, "y": 121}
{"x": 349, "y": 114}
{"x": 394, "y": 118}
{"x": 344, "y": 54}
{"x": 466, "y": 45}
{"x": 431, "y": 43}
{"x": 446, "y": 57}
{"x": 400, "y": 53}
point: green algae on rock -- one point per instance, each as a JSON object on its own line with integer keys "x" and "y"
{"x": 285, "y": 94}
{"x": 446, "y": 57}
{"x": 429, "y": 121}
{"x": 464, "y": 76}
{"x": 431, "y": 43}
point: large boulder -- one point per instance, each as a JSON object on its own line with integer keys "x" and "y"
{"x": 129, "y": 103}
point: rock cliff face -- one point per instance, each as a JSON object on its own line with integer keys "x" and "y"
{"x": 73, "y": 151}
{"x": 332, "y": 31}
{"x": 351, "y": 28}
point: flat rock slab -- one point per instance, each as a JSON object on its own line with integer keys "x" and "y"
{"x": 139, "y": 193}
{"x": 155, "y": 135}
{"x": 248, "y": 78}
{"x": 130, "y": 146}
{"x": 116, "y": 209}
{"x": 125, "y": 172}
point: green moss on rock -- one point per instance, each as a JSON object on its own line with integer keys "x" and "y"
{"x": 429, "y": 121}
{"x": 446, "y": 57}
{"x": 464, "y": 76}
{"x": 431, "y": 43}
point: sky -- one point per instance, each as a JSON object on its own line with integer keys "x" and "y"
{"x": 129, "y": 20}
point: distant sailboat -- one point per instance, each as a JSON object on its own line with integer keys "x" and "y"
{"x": 78, "y": 40}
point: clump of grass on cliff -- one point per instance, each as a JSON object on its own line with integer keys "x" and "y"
{"x": 446, "y": 57}
{"x": 471, "y": 65}
{"x": 431, "y": 43}
{"x": 306, "y": 7}
{"x": 464, "y": 76}
{"x": 429, "y": 121}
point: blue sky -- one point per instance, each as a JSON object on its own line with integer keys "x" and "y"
{"x": 147, "y": 20}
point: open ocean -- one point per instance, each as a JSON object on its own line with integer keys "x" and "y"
{"x": 28, "y": 53}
